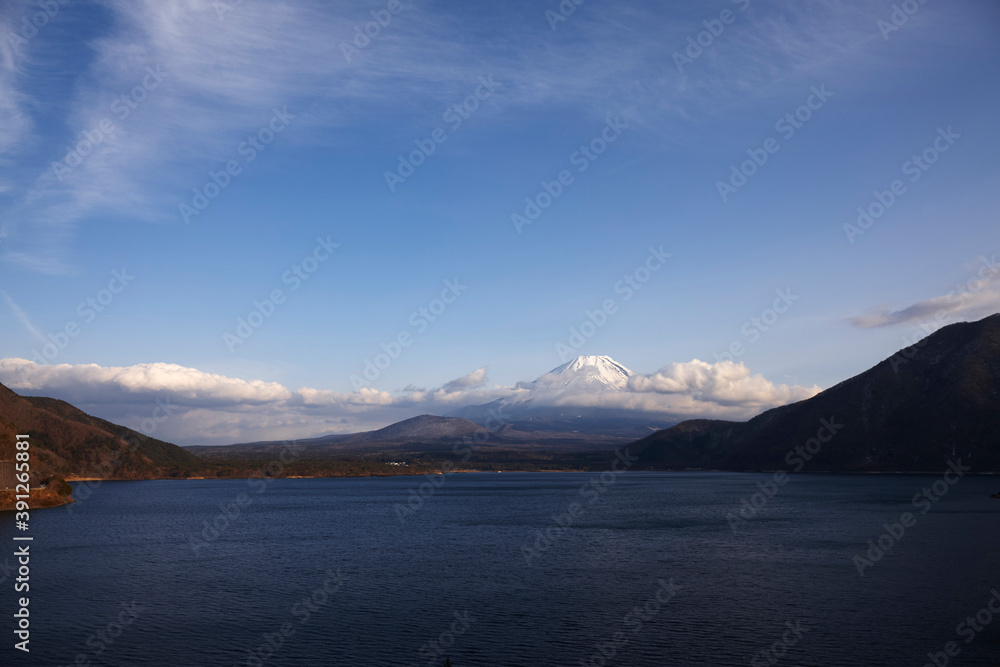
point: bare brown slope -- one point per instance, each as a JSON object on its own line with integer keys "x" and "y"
{"x": 66, "y": 441}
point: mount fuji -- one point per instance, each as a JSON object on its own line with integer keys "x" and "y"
{"x": 547, "y": 413}
{"x": 587, "y": 374}
{"x": 549, "y": 407}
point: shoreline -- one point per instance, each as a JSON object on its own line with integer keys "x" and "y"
{"x": 532, "y": 472}
{"x": 38, "y": 498}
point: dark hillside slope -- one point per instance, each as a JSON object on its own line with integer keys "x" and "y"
{"x": 66, "y": 441}
{"x": 931, "y": 402}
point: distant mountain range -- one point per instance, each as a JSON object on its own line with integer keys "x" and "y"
{"x": 931, "y": 403}
{"x": 514, "y": 423}
{"x": 67, "y": 441}
{"x": 425, "y": 433}
{"x": 934, "y": 402}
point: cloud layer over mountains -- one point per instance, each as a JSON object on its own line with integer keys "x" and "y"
{"x": 207, "y": 408}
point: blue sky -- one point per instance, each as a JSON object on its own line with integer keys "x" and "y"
{"x": 201, "y": 77}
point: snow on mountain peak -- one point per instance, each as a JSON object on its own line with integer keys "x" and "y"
{"x": 590, "y": 372}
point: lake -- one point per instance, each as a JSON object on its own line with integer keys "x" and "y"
{"x": 568, "y": 569}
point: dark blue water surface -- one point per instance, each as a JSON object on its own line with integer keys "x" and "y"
{"x": 455, "y": 572}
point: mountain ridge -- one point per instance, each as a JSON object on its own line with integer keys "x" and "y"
{"x": 928, "y": 403}
{"x": 67, "y": 441}
{"x": 428, "y": 430}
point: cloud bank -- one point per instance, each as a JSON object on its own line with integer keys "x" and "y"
{"x": 208, "y": 408}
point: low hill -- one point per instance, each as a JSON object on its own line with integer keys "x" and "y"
{"x": 65, "y": 441}
{"x": 935, "y": 401}
{"x": 425, "y": 428}
{"x": 425, "y": 432}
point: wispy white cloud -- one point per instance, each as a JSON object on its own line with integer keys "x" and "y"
{"x": 476, "y": 378}
{"x": 226, "y": 74}
{"x": 15, "y": 121}
{"x": 976, "y": 298}
{"x": 939, "y": 308}
{"x": 21, "y": 316}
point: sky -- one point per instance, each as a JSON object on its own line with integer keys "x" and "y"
{"x": 234, "y": 208}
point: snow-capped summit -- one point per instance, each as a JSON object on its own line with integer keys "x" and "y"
{"x": 569, "y": 402}
{"x": 587, "y": 372}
